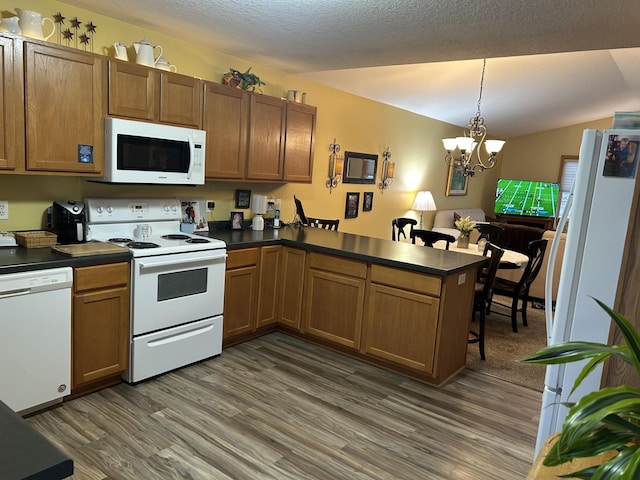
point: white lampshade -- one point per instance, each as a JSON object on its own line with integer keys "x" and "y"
{"x": 450, "y": 144}
{"x": 424, "y": 201}
{"x": 465, "y": 144}
{"x": 493, "y": 146}
{"x": 259, "y": 204}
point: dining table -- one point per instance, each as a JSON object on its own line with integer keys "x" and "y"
{"x": 510, "y": 258}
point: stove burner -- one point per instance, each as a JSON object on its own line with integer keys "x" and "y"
{"x": 176, "y": 236}
{"x": 119, "y": 240}
{"x": 142, "y": 245}
{"x": 197, "y": 240}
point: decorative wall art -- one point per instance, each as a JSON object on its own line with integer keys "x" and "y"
{"x": 367, "y": 201}
{"x": 457, "y": 182}
{"x": 73, "y": 33}
{"x": 243, "y": 198}
{"x": 359, "y": 168}
{"x": 352, "y": 205}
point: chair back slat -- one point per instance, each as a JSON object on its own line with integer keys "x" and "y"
{"x": 429, "y": 237}
{"x": 398, "y": 225}
{"x": 323, "y": 223}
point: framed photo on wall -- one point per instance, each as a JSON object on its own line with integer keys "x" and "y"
{"x": 352, "y": 205}
{"x": 457, "y": 182}
{"x": 243, "y": 198}
{"x": 367, "y": 201}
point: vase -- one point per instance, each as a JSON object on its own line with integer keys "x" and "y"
{"x": 463, "y": 241}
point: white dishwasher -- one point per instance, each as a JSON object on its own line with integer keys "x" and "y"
{"x": 35, "y": 338}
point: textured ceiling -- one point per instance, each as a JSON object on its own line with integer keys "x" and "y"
{"x": 422, "y": 55}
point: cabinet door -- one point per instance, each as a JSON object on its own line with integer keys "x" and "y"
{"x": 266, "y": 139}
{"x": 225, "y": 117}
{"x": 400, "y": 326}
{"x": 291, "y": 286}
{"x": 100, "y": 334}
{"x": 132, "y": 90}
{"x": 180, "y": 100}
{"x": 333, "y": 307}
{"x": 64, "y": 109}
{"x": 11, "y": 109}
{"x": 240, "y": 293}
{"x": 299, "y": 142}
{"x": 268, "y": 286}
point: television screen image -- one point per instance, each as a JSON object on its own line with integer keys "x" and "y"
{"x": 526, "y": 198}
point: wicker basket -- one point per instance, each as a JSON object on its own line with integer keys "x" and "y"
{"x": 36, "y": 239}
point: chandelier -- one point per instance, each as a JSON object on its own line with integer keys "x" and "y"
{"x": 473, "y": 139}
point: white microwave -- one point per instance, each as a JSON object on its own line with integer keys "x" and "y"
{"x": 143, "y": 152}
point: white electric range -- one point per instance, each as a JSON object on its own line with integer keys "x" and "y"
{"x": 177, "y": 282}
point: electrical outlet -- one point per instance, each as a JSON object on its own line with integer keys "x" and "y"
{"x": 210, "y": 205}
{"x": 4, "y": 210}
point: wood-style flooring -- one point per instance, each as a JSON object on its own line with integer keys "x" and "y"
{"x": 279, "y": 408}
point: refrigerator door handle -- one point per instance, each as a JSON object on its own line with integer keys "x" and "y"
{"x": 554, "y": 390}
{"x": 553, "y": 253}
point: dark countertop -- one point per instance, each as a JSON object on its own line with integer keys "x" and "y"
{"x": 21, "y": 259}
{"x": 25, "y": 453}
{"x": 385, "y": 252}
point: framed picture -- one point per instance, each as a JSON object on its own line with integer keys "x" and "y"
{"x": 237, "y": 220}
{"x": 359, "y": 168}
{"x": 457, "y": 182}
{"x": 243, "y": 198}
{"x": 193, "y": 211}
{"x": 367, "y": 201}
{"x": 352, "y": 205}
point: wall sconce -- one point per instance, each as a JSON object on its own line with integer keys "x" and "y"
{"x": 424, "y": 202}
{"x": 388, "y": 171}
{"x": 336, "y": 164}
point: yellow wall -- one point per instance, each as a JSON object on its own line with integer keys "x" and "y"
{"x": 356, "y": 123}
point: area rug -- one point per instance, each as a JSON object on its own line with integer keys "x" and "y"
{"x": 504, "y": 348}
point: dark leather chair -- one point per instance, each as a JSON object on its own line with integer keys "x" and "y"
{"x": 482, "y": 295}
{"x": 398, "y": 225}
{"x": 490, "y": 232}
{"x": 520, "y": 290}
{"x": 323, "y": 223}
{"x": 429, "y": 237}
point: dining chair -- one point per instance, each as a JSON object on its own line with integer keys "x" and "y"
{"x": 398, "y": 225}
{"x": 429, "y": 237}
{"x": 490, "y": 232}
{"x": 519, "y": 291}
{"x": 323, "y": 223}
{"x": 482, "y": 296}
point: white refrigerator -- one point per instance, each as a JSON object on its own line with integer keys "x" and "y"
{"x": 599, "y": 208}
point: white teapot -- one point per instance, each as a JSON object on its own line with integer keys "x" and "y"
{"x": 163, "y": 64}
{"x": 10, "y": 25}
{"x": 144, "y": 52}
{"x": 31, "y": 24}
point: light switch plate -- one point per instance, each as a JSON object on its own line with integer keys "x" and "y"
{"x": 4, "y": 210}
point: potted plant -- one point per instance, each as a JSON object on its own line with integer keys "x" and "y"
{"x": 465, "y": 226}
{"x": 604, "y": 421}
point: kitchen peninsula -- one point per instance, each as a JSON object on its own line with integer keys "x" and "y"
{"x": 397, "y": 305}
{"x": 400, "y": 306}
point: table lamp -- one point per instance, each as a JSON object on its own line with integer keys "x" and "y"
{"x": 424, "y": 202}
{"x": 258, "y": 208}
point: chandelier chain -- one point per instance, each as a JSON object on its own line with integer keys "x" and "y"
{"x": 484, "y": 64}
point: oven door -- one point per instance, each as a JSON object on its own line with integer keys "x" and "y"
{"x": 170, "y": 290}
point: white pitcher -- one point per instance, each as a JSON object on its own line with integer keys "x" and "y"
{"x": 10, "y": 25}
{"x": 31, "y": 24}
{"x": 144, "y": 52}
{"x": 121, "y": 51}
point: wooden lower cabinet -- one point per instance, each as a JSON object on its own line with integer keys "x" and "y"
{"x": 100, "y": 324}
{"x": 334, "y": 299}
{"x": 268, "y": 285}
{"x": 240, "y": 292}
{"x": 291, "y": 286}
{"x": 401, "y": 325}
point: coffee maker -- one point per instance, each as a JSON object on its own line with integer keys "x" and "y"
{"x": 69, "y": 221}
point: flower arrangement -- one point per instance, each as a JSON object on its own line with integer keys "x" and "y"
{"x": 465, "y": 225}
{"x": 244, "y": 80}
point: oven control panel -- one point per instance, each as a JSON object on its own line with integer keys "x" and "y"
{"x": 110, "y": 210}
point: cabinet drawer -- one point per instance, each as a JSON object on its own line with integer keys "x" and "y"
{"x": 100, "y": 276}
{"x": 242, "y": 258}
{"x": 332, "y": 263}
{"x": 414, "y": 281}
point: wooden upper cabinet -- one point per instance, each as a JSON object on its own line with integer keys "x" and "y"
{"x": 64, "y": 92}
{"x": 299, "y": 143}
{"x": 225, "y": 116}
{"x": 144, "y": 93}
{"x": 266, "y": 138}
{"x": 11, "y": 108}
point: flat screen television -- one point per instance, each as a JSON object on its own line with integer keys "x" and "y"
{"x": 526, "y": 198}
